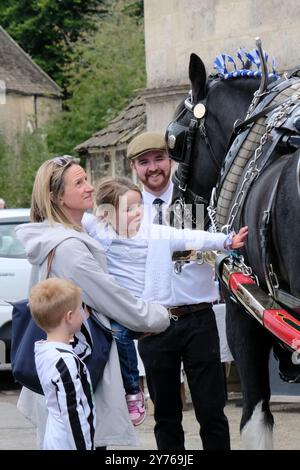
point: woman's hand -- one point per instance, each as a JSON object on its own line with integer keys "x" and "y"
{"x": 238, "y": 240}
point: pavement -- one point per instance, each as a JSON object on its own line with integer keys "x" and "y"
{"x": 16, "y": 433}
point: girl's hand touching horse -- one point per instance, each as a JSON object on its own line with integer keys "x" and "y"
{"x": 237, "y": 240}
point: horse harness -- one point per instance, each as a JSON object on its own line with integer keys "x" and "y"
{"x": 275, "y": 120}
{"x": 253, "y": 149}
{"x": 281, "y": 126}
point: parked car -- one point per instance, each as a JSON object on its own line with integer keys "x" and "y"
{"x": 14, "y": 274}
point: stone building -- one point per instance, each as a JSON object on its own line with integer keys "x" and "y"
{"x": 105, "y": 151}
{"x": 28, "y": 96}
{"x": 176, "y": 28}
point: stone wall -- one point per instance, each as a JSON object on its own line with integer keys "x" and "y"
{"x": 175, "y": 28}
{"x": 20, "y": 113}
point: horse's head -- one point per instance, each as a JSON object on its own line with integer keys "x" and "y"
{"x": 210, "y": 112}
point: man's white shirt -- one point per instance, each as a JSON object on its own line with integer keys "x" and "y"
{"x": 196, "y": 283}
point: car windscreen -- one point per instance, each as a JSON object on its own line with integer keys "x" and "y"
{"x": 10, "y": 246}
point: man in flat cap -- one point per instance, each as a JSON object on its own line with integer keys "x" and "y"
{"x": 149, "y": 160}
{"x": 192, "y": 337}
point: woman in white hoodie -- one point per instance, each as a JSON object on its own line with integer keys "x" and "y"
{"x": 61, "y": 195}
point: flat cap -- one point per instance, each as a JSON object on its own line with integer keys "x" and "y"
{"x": 144, "y": 143}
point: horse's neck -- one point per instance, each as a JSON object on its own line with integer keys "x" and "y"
{"x": 228, "y": 102}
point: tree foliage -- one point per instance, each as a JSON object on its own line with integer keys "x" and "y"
{"x": 19, "y": 166}
{"x": 48, "y": 29}
{"x": 104, "y": 70}
{"x": 107, "y": 68}
{"x": 135, "y": 8}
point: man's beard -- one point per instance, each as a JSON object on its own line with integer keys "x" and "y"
{"x": 164, "y": 178}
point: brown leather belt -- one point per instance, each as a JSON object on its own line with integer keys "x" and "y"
{"x": 185, "y": 309}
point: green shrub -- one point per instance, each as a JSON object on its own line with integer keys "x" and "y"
{"x": 19, "y": 166}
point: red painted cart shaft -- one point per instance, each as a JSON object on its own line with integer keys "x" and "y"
{"x": 247, "y": 292}
{"x": 273, "y": 317}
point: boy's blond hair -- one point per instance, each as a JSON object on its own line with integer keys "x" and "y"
{"x": 50, "y": 299}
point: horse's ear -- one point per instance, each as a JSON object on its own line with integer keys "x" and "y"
{"x": 197, "y": 74}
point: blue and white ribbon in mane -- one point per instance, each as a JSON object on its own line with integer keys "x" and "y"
{"x": 250, "y": 62}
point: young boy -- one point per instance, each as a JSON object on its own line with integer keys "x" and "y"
{"x": 56, "y": 308}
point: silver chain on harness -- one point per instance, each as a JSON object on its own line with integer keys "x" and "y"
{"x": 278, "y": 117}
{"x": 212, "y": 212}
{"x": 252, "y": 106}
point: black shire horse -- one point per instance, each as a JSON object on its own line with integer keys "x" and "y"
{"x": 226, "y": 101}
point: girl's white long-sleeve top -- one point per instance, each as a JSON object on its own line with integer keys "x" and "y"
{"x": 143, "y": 264}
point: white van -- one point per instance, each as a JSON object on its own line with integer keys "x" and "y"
{"x": 14, "y": 274}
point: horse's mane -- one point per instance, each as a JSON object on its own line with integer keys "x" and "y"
{"x": 228, "y": 69}
{"x": 250, "y": 64}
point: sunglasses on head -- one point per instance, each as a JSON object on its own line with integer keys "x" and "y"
{"x": 63, "y": 160}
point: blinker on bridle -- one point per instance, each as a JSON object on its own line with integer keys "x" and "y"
{"x": 180, "y": 138}
{"x": 176, "y": 133}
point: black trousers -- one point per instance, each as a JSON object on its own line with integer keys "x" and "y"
{"x": 193, "y": 339}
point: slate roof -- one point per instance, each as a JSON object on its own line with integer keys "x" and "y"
{"x": 130, "y": 122}
{"x": 20, "y": 73}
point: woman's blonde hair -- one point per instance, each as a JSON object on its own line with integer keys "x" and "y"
{"x": 50, "y": 299}
{"x": 48, "y": 187}
{"x": 109, "y": 191}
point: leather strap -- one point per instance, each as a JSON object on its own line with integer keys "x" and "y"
{"x": 185, "y": 309}
{"x": 49, "y": 261}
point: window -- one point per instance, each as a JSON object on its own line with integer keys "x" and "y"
{"x": 10, "y": 246}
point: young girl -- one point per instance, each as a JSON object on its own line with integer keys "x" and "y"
{"x": 139, "y": 256}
